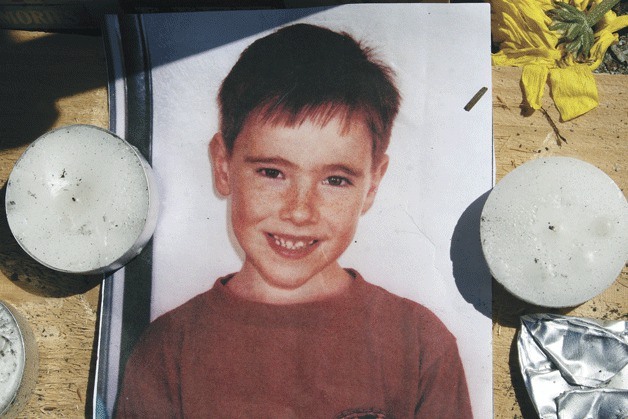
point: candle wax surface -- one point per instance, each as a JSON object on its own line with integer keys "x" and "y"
{"x": 554, "y": 231}
{"x": 11, "y": 358}
{"x": 78, "y": 198}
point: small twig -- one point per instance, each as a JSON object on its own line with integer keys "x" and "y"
{"x": 559, "y": 136}
{"x": 475, "y": 98}
{"x": 502, "y": 104}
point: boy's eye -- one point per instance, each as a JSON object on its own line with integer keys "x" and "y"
{"x": 337, "y": 181}
{"x": 270, "y": 173}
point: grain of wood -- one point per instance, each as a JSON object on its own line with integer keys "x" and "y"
{"x": 598, "y": 137}
{"x": 53, "y": 80}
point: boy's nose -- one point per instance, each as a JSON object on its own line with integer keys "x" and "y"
{"x": 301, "y": 205}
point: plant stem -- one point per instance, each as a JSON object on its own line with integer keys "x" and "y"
{"x": 600, "y": 10}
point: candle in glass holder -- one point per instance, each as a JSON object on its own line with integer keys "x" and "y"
{"x": 554, "y": 231}
{"x": 82, "y": 200}
{"x": 19, "y": 361}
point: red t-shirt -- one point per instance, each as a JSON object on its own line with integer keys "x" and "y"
{"x": 365, "y": 353}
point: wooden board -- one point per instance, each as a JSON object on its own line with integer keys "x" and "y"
{"x": 47, "y": 81}
{"x": 50, "y": 80}
{"x": 598, "y": 137}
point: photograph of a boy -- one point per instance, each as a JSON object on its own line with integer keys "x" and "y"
{"x": 305, "y": 120}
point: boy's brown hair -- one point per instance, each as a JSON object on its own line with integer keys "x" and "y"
{"x": 304, "y": 71}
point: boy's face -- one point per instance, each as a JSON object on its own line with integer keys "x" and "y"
{"x": 296, "y": 196}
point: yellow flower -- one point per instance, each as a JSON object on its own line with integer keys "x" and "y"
{"x": 521, "y": 28}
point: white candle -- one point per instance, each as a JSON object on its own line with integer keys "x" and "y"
{"x": 554, "y": 231}
{"x": 19, "y": 362}
{"x": 82, "y": 200}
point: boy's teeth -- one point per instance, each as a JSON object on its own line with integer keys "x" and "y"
{"x": 289, "y": 244}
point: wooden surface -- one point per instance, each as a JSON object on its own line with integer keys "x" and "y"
{"x": 53, "y": 80}
{"x": 48, "y": 81}
{"x": 599, "y": 137}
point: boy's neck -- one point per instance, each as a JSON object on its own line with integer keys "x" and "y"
{"x": 250, "y": 285}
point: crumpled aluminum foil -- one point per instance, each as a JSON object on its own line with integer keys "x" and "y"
{"x": 575, "y": 367}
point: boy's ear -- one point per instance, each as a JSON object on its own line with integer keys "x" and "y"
{"x": 220, "y": 164}
{"x": 377, "y": 174}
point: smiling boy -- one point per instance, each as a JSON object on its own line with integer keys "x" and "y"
{"x": 297, "y": 193}
{"x": 306, "y": 117}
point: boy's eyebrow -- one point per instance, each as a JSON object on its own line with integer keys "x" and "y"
{"x": 281, "y": 161}
{"x": 268, "y": 160}
{"x": 344, "y": 168}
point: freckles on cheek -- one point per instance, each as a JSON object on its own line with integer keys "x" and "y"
{"x": 250, "y": 203}
{"x": 340, "y": 209}
{"x": 347, "y": 206}
{"x": 343, "y": 220}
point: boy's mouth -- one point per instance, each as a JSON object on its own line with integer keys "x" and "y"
{"x": 292, "y": 243}
{"x": 292, "y": 247}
